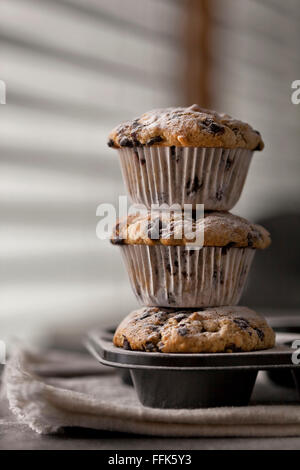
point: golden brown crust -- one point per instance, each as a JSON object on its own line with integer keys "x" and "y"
{"x": 210, "y": 330}
{"x": 186, "y": 127}
{"x": 220, "y": 229}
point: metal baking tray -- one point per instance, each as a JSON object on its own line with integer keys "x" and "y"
{"x": 285, "y": 323}
{"x": 174, "y": 380}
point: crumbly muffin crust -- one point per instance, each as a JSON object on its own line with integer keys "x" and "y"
{"x": 185, "y": 127}
{"x": 208, "y": 330}
{"x": 220, "y": 229}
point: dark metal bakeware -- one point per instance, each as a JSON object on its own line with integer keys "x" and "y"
{"x": 164, "y": 380}
{"x": 287, "y": 323}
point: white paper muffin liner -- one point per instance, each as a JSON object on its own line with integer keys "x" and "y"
{"x": 185, "y": 175}
{"x": 173, "y": 276}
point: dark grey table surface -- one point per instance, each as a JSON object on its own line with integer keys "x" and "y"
{"x": 17, "y": 437}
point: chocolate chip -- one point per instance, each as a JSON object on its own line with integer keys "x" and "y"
{"x": 126, "y": 344}
{"x": 154, "y": 327}
{"x": 207, "y": 122}
{"x": 140, "y": 159}
{"x": 258, "y": 147}
{"x": 135, "y": 127}
{"x": 173, "y": 150}
{"x": 216, "y": 128}
{"x": 162, "y": 196}
{"x": 136, "y": 142}
{"x": 110, "y": 143}
{"x": 192, "y": 186}
{"x": 117, "y": 240}
{"x": 223, "y": 154}
{"x": 171, "y": 298}
{"x": 125, "y": 142}
{"x": 219, "y": 194}
{"x": 179, "y": 154}
{"x": 180, "y": 317}
{"x": 213, "y": 126}
{"x": 260, "y": 333}
{"x": 150, "y": 347}
{"x": 226, "y": 247}
{"x": 241, "y": 323}
{"x": 188, "y": 253}
{"x": 169, "y": 267}
{"x": 134, "y": 137}
{"x": 228, "y": 163}
{"x": 250, "y": 239}
{"x": 183, "y": 331}
{"x": 155, "y": 140}
{"x": 161, "y": 316}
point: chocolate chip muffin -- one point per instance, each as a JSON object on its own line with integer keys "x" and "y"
{"x": 166, "y": 268}
{"x": 209, "y": 330}
{"x": 185, "y": 127}
{"x": 221, "y": 229}
{"x": 185, "y": 156}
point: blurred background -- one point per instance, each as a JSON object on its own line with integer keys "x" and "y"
{"x": 76, "y": 68}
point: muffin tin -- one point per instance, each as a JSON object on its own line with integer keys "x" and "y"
{"x": 193, "y": 380}
{"x": 284, "y": 325}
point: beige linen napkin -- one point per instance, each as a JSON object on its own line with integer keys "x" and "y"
{"x": 50, "y": 404}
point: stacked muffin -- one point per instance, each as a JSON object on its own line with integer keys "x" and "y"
{"x": 179, "y": 156}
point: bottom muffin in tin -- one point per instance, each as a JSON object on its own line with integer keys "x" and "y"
{"x": 207, "y": 330}
{"x": 186, "y": 379}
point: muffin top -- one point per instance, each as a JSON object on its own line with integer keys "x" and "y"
{"x": 220, "y": 229}
{"x": 207, "y": 330}
{"x": 186, "y": 127}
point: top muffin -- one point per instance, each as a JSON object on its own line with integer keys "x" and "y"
{"x": 186, "y": 127}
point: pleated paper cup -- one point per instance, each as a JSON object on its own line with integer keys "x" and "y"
{"x": 174, "y": 276}
{"x": 214, "y": 177}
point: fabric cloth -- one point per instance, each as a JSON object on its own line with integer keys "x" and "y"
{"x": 42, "y": 394}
